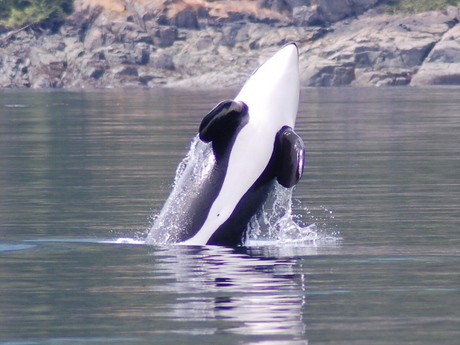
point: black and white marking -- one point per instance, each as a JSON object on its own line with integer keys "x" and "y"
{"x": 244, "y": 145}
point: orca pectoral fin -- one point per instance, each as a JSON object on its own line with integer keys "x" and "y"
{"x": 290, "y": 157}
{"x": 224, "y": 117}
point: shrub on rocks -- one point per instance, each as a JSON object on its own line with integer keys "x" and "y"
{"x": 18, "y": 13}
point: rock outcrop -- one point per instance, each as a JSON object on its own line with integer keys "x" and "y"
{"x": 378, "y": 50}
{"x": 146, "y": 43}
{"x": 442, "y": 65}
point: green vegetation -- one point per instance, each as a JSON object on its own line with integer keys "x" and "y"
{"x": 417, "y": 6}
{"x": 18, "y": 13}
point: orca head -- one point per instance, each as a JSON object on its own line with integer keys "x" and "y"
{"x": 272, "y": 91}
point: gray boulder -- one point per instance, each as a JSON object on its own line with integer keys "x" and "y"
{"x": 373, "y": 50}
{"x": 442, "y": 66}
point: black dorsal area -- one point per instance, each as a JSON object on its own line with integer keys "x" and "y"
{"x": 222, "y": 123}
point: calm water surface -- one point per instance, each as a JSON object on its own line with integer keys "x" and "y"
{"x": 81, "y": 170}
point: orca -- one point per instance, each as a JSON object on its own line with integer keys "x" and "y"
{"x": 243, "y": 147}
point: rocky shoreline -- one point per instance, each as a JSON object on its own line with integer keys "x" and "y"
{"x": 215, "y": 44}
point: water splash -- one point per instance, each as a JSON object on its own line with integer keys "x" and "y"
{"x": 199, "y": 159}
{"x": 196, "y": 167}
{"x": 275, "y": 225}
{"x": 278, "y": 225}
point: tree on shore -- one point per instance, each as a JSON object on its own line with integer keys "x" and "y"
{"x": 20, "y": 13}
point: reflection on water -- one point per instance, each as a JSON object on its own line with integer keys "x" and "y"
{"x": 256, "y": 297}
{"x": 66, "y": 289}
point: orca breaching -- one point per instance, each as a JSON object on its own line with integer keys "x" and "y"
{"x": 244, "y": 146}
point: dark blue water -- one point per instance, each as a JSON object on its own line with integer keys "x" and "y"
{"x": 81, "y": 173}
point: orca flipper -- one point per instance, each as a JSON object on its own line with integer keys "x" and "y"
{"x": 290, "y": 153}
{"x": 221, "y": 124}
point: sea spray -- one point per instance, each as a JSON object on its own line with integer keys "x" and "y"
{"x": 194, "y": 168}
{"x": 277, "y": 225}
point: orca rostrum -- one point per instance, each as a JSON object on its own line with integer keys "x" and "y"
{"x": 245, "y": 145}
